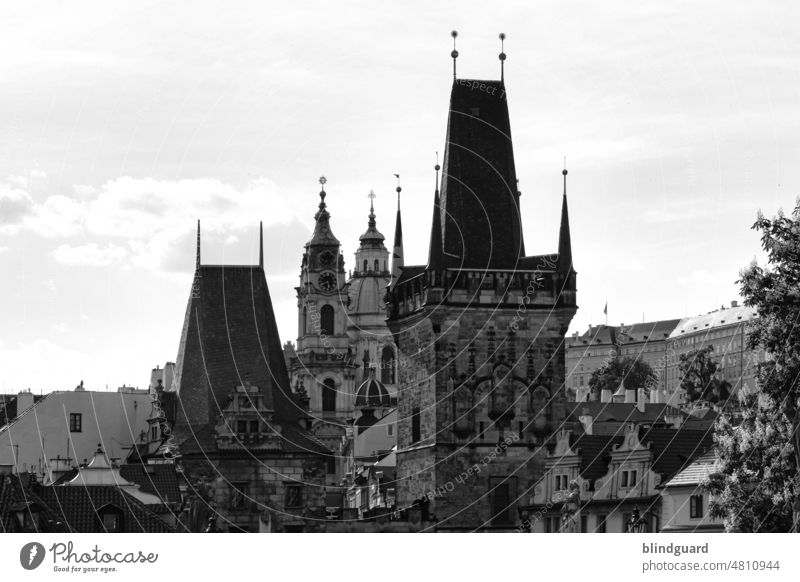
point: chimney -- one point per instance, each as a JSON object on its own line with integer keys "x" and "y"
{"x": 641, "y": 400}
{"x": 586, "y": 420}
{"x": 24, "y": 401}
{"x": 630, "y": 396}
{"x": 734, "y": 304}
{"x": 58, "y": 468}
{"x": 605, "y": 395}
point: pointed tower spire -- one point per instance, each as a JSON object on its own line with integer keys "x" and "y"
{"x": 564, "y": 242}
{"x": 502, "y": 57}
{"x": 454, "y": 54}
{"x": 261, "y": 245}
{"x": 397, "y": 251}
{"x": 435, "y": 258}
{"x": 197, "y": 262}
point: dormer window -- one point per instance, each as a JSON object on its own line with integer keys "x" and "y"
{"x": 111, "y": 519}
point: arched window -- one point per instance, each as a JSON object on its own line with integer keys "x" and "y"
{"x": 387, "y": 365}
{"x": 329, "y": 396}
{"x": 366, "y": 264}
{"x": 377, "y": 265}
{"x": 326, "y": 320}
{"x": 304, "y": 329}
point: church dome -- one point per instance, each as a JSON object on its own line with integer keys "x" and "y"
{"x": 372, "y": 393}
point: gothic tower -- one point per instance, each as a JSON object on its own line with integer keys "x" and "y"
{"x": 324, "y": 367}
{"x": 480, "y": 332}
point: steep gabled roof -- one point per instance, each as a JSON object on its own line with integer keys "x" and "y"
{"x": 481, "y": 226}
{"x": 230, "y": 336}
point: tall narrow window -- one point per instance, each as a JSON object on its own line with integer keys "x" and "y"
{"x": 329, "y": 396}
{"x": 326, "y": 320}
{"x": 416, "y": 429}
{"x": 377, "y": 265}
{"x": 501, "y": 492}
{"x": 387, "y": 365}
{"x": 75, "y": 422}
{"x": 304, "y": 329}
{"x": 366, "y": 265}
{"x": 696, "y": 506}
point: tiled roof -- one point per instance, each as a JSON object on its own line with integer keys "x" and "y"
{"x": 694, "y": 473}
{"x": 160, "y": 479}
{"x": 674, "y": 449}
{"x": 78, "y": 507}
{"x": 15, "y": 495}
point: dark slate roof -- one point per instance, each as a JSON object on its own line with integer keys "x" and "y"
{"x": 596, "y": 334}
{"x": 621, "y": 412}
{"x": 648, "y": 331}
{"x": 594, "y": 451}
{"x": 410, "y": 271}
{"x": 16, "y": 494}
{"x": 479, "y": 200}
{"x": 230, "y": 336}
{"x": 78, "y": 507}
{"x": 674, "y": 449}
{"x": 159, "y": 479}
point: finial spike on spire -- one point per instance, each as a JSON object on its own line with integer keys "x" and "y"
{"x": 437, "y": 167}
{"x": 502, "y": 57}
{"x": 398, "y": 190}
{"x": 261, "y": 244}
{"x": 454, "y": 54}
{"x": 197, "y": 264}
{"x": 564, "y": 173}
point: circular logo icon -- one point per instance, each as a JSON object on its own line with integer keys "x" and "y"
{"x": 31, "y": 555}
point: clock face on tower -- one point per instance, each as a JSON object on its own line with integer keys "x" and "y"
{"x": 327, "y": 281}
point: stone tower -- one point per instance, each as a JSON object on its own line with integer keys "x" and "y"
{"x": 480, "y": 332}
{"x": 324, "y": 366}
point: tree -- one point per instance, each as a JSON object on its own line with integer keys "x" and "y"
{"x": 699, "y": 379}
{"x": 755, "y": 486}
{"x": 636, "y": 373}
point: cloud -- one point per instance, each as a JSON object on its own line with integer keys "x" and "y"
{"x": 3, "y": 250}
{"x": 57, "y": 216}
{"x": 88, "y": 255}
{"x": 15, "y": 205}
{"x": 137, "y": 208}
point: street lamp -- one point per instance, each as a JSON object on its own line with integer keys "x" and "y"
{"x": 637, "y": 523}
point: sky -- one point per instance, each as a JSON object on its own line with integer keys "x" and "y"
{"x": 121, "y": 124}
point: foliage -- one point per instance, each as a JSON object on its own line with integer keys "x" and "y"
{"x": 699, "y": 379}
{"x": 755, "y": 486}
{"x": 635, "y": 372}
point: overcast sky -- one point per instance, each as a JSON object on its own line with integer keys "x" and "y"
{"x": 121, "y": 124}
